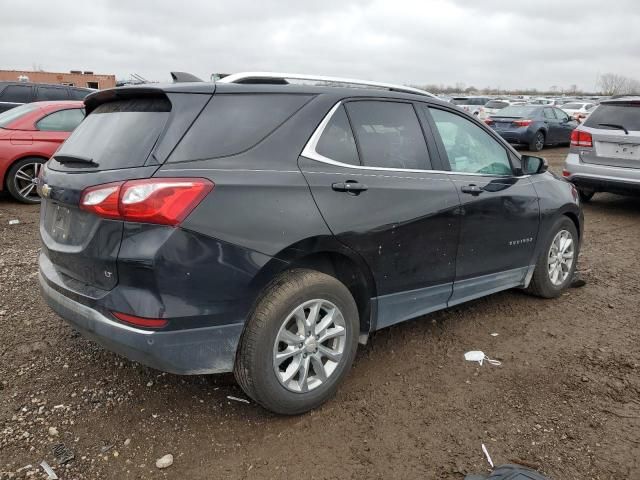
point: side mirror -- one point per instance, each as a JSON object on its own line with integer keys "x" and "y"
{"x": 533, "y": 165}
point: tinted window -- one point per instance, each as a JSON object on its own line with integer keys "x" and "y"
{"x": 52, "y": 93}
{"x": 119, "y": 134}
{"x": 560, "y": 114}
{"x": 548, "y": 114}
{"x": 16, "y": 94}
{"x": 15, "y": 113}
{"x": 77, "y": 94}
{"x": 517, "y": 111}
{"x": 337, "y": 142}
{"x": 233, "y": 123}
{"x": 625, "y": 114}
{"x": 389, "y": 135}
{"x": 469, "y": 148}
{"x": 61, "y": 121}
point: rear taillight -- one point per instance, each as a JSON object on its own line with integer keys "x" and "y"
{"x": 522, "y": 123}
{"x": 581, "y": 139}
{"x": 165, "y": 201}
{"x": 140, "y": 321}
{"x": 488, "y": 121}
{"x": 566, "y": 173}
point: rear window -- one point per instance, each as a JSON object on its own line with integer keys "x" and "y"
{"x": 233, "y": 123}
{"x": 496, "y": 104}
{"x": 119, "y": 134}
{"x": 624, "y": 114}
{"x": 15, "y": 113}
{"x": 517, "y": 111}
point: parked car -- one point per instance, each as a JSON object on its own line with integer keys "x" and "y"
{"x": 29, "y": 134}
{"x": 605, "y": 150}
{"x": 578, "y": 110}
{"x": 473, "y": 105}
{"x": 13, "y": 94}
{"x": 492, "y": 107}
{"x": 256, "y": 228}
{"x": 533, "y": 126}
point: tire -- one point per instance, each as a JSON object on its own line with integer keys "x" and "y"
{"x": 586, "y": 195}
{"x": 537, "y": 143}
{"x": 542, "y": 283}
{"x": 265, "y": 378}
{"x": 21, "y": 176}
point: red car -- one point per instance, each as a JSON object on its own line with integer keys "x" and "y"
{"x": 29, "y": 135}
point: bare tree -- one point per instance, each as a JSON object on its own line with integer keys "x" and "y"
{"x": 613, "y": 84}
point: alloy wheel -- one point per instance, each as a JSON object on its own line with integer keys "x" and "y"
{"x": 309, "y": 346}
{"x": 561, "y": 257}
{"x": 26, "y": 179}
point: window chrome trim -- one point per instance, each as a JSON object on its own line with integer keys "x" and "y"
{"x": 310, "y": 152}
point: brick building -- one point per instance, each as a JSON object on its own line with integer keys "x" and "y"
{"x": 75, "y": 78}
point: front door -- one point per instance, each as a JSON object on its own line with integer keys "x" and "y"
{"x": 374, "y": 187}
{"x": 500, "y": 213}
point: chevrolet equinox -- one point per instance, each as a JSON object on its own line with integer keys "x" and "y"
{"x": 263, "y": 227}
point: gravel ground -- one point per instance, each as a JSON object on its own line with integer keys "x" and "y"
{"x": 565, "y": 400}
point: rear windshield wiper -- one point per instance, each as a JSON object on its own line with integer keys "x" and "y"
{"x": 614, "y": 125}
{"x": 64, "y": 159}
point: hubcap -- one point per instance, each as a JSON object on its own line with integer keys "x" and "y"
{"x": 539, "y": 142}
{"x": 309, "y": 345}
{"x": 26, "y": 180}
{"x": 561, "y": 257}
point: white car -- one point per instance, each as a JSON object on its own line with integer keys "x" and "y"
{"x": 493, "y": 106}
{"x": 473, "y": 105}
{"x": 578, "y": 110}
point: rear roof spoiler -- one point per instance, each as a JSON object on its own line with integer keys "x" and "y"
{"x": 184, "y": 77}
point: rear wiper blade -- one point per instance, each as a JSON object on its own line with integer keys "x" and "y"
{"x": 614, "y": 125}
{"x": 74, "y": 159}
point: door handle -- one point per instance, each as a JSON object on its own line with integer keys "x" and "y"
{"x": 350, "y": 186}
{"x": 472, "y": 189}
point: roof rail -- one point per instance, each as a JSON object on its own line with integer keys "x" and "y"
{"x": 281, "y": 79}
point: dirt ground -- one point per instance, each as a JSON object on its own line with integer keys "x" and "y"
{"x": 566, "y": 399}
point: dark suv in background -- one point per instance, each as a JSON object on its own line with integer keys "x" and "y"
{"x": 13, "y": 94}
{"x": 265, "y": 228}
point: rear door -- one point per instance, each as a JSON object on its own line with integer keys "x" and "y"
{"x": 612, "y": 146}
{"x": 124, "y": 138}
{"x": 371, "y": 175}
{"x": 552, "y": 123}
{"x": 500, "y": 213}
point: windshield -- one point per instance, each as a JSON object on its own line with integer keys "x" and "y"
{"x": 573, "y": 106}
{"x": 469, "y": 101}
{"x": 518, "y": 111}
{"x": 15, "y": 113}
{"x": 624, "y": 114}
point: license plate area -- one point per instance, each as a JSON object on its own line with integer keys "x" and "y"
{"x": 627, "y": 151}
{"x": 60, "y": 224}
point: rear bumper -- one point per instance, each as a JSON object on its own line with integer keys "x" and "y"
{"x": 602, "y": 178}
{"x": 185, "y": 352}
{"x": 521, "y": 136}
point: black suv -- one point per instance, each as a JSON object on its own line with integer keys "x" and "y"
{"x": 14, "y": 94}
{"x": 265, "y": 229}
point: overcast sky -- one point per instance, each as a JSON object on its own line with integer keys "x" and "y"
{"x": 506, "y": 44}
